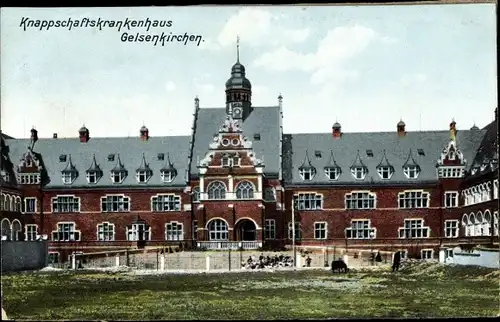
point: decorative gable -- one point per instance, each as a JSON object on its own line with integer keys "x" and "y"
{"x": 29, "y": 163}
{"x": 451, "y": 155}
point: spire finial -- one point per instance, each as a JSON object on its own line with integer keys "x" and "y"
{"x": 237, "y": 48}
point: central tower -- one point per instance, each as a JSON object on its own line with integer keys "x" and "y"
{"x": 238, "y": 90}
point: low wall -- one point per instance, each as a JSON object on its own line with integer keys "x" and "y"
{"x": 479, "y": 257}
{"x": 23, "y": 255}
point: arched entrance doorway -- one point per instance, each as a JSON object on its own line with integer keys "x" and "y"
{"x": 246, "y": 230}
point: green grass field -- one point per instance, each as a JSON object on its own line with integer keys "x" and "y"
{"x": 421, "y": 290}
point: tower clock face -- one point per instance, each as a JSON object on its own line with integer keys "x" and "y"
{"x": 237, "y": 112}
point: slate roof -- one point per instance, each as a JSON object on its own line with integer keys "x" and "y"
{"x": 263, "y": 121}
{"x": 130, "y": 150}
{"x": 397, "y": 152}
{"x": 486, "y": 152}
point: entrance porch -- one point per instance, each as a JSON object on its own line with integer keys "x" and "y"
{"x": 244, "y": 236}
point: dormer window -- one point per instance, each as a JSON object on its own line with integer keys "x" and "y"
{"x": 69, "y": 174}
{"x": 167, "y": 176}
{"x": 307, "y": 171}
{"x": 94, "y": 172}
{"x": 168, "y": 172}
{"x": 28, "y": 162}
{"x": 359, "y": 173}
{"x": 92, "y": 177}
{"x": 332, "y": 173}
{"x": 451, "y": 155}
{"x": 385, "y": 172}
{"x": 143, "y": 176}
{"x": 411, "y": 171}
{"x": 117, "y": 176}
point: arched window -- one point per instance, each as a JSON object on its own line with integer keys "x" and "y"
{"x": 6, "y": 232}
{"x": 466, "y": 224}
{"x": 495, "y": 223}
{"x": 487, "y": 223}
{"x": 18, "y": 204}
{"x": 2, "y": 201}
{"x": 218, "y": 230}
{"x": 6, "y": 204}
{"x": 472, "y": 223}
{"x": 196, "y": 194}
{"x": 216, "y": 190}
{"x": 16, "y": 230}
{"x": 13, "y": 203}
{"x": 244, "y": 190}
{"x": 479, "y": 225}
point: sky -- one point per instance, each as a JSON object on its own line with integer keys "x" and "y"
{"x": 366, "y": 67}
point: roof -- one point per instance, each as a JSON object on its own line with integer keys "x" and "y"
{"x": 263, "y": 121}
{"x": 319, "y": 146}
{"x": 486, "y": 152}
{"x": 129, "y": 149}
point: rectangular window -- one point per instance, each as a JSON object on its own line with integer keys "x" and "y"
{"x": 115, "y": 203}
{"x": 31, "y": 231}
{"x": 306, "y": 173}
{"x": 414, "y": 228}
{"x": 161, "y": 203}
{"x": 451, "y": 199}
{"x": 53, "y": 258}
{"x": 360, "y": 229}
{"x": 427, "y": 253}
{"x": 66, "y": 232}
{"x": 360, "y": 200}
{"x": 320, "y": 231}
{"x": 451, "y": 228}
{"x": 106, "y": 232}
{"x": 308, "y": 201}
{"x": 138, "y": 232}
{"x": 413, "y": 199}
{"x": 270, "y": 229}
{"x": 174, "y": 231}
{"x": 65, "y": 204}
{"x": 30, "y": 205}
{"x": 297, "y": 231}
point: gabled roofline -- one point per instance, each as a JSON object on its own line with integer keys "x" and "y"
{"x": 362, "y": 184}
{"x": 113, "y": 187}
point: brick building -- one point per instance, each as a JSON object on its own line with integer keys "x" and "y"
{"x": 232, "y": 183}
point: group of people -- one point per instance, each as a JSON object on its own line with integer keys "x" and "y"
{"x": 267, "y": 262}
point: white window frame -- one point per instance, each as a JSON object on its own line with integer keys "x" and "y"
{"x": 450, "y": 172}
{"x": 166, "y": 202}
{"x": 134, "y": 230}
{"x": 424, "y": 253}
{"x": 73, "y": 234}
{"x": 75, "y": 201}
{"x": 196, "y": 194}
{"x": 143, "y": 176}
{"x": 25, "y": 202}
{"x": 68, "y": 177}
{"x": 228, "y": 160}
{"x": 307, "y": 174}
{"x": 333, "y": 173}
{"x": 125, "y": 200}
{"x": 308, "y": 201}
{"x": 360, "y": 229}
{"x": 495, "y": 189}
{"x": 320, "y": 230}
{"x": 411, "y": 171}
{"x": 360, "y": 199}
{"x": 28, "y": 232}
{"x": 425, "y": 231}
{"x": 7, "y": 232}
{"x": 106, "y": 231}
{"x": 245, "y": 190}
{"x": 29, "y": 178}
{"x": 419, "y": 196}
{"x": 385, "y": 173}
{"x": 167, "y": 176}
{"x": 218, "y": 230}
{"x": 51, "y": 255}
{"x": 359, "y": 173}
{"x": 451, "y": 228}
{"x": 118, "y": 174}
{"x": 220, "y": 196}
{"x": 451, "y": 199}
{"x": 298, "y": 231}
{"x": 16, "y": 234}
{"x": 172, "y": 234}
{"x": 92, "y": 177}
{"x": 269, "y": 229}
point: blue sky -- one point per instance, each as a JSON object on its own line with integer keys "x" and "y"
{"x": 365, "y": 66}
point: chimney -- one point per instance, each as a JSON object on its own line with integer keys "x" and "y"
{"x": 34, "y": 135}
{"x": 337, "y": 130}
{"x": 453, "y": 129}
{"x": 144, "y": 133}
{"x": 83, "y": 133}
{"x": 401, "y": 128}
{"x": 54, "y": 136}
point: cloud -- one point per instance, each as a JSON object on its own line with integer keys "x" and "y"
{"x": 412, "y": 79}
{"x": 170, "y": 86}
{"x": 257, "y": 28}
{"x": 333, "y": 50}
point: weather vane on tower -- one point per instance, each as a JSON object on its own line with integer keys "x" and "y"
{"x": 238, "y": 48}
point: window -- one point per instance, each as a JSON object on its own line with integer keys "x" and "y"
{"x": 451, "y": 199}
{"x": 138, "y": 232}
{"x": 414, "y": 228}
{"x": 53, "y": 258}
{"x": 451, "y": 172}
{"x": 320, "y": 230}
{"x": 68, "y": 176}
{"x": 111, "y": 157}
{"x": 297, "y": 231}
{"x": 28, "y": 162}
{"x": 451, "y": 228}
{"x": 411, "y": 171}
{"x": 449, "y": 253}
{"x": 17, "y": 230}
{"x": 360, "y": 200}
{"x": 117, "y": 176}
{"x": 196, "y": 194}
{"x": 6, "y": 232}
{"x": 421, "y": 152}
{"x": 30, "y": 232}
{"x": 143, "y": 176}
{"x": 66, "y": 232}
{"x": 65, "y": 204}
{"x": 307, "y": 174}
{"x": 115, "y": 203}
{"x": 229, "y": 160}
{"x": 168, "y": 175}
{"x": 359, "y": 173}
{"x": 218, "y": 230}
{"x": 270, "y": 229}
{"x": 360, "y": 229}
{"x": 29, "y": 178}
{"x": 308, "y": 201}
{"x": 495, "y": 189}
{"x": 332, "y": 173}
{"x": 413, "y": 199}
{"x": 106, "y": 232}
{"x": 30, "y": 205}
{"x": 216, "y": 190}
{"x": 369, "y": 153}
{"x": 427, "y": 254}
{"x": 92, "y": 177}
{"x": 244, "y": 190}
{"x": 194, "y": 230}
{"x": 161, "y": 203}
{"x": 174, "y": 231}
{"x": 269, "y": 194}
{"x": 385, "y": 172}
{"x": 161, "y": 156}
{"x": 495, "y": 224}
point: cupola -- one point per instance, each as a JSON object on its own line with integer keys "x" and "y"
{"x": 144, "y": 132}
{"x": 83, "y": 134}
{"x": 401, "y": 128}
{"x": 238, "y": 90}
{"x": 336, "y": 130}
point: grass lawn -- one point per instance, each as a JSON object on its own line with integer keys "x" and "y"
{"x": 420, "y": 290}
